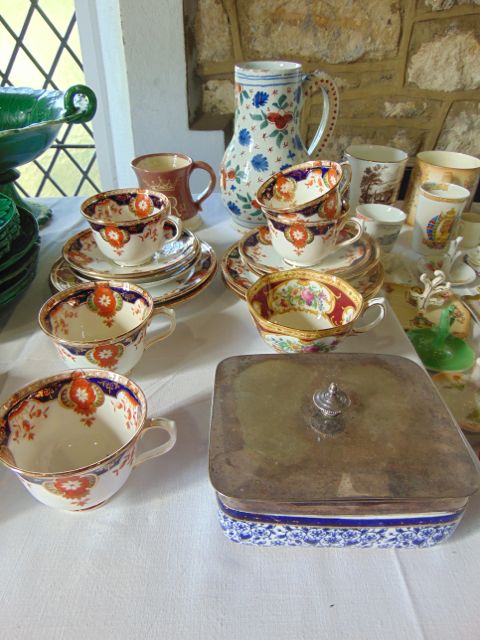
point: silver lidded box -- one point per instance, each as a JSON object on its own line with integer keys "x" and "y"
{"x": 336, "y": 450}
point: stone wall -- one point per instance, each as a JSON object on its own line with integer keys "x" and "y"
{"x": 408, "y": 71}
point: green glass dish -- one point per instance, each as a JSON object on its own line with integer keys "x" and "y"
{"x": 30, "y": 120}
{"x": 8, "y": 276}
{"x": 10, "y": 293}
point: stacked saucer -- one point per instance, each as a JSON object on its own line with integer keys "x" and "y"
{"x": 254, "y": 256}
{"x": 19, "y": 249}
{"x": 177, "y": 272}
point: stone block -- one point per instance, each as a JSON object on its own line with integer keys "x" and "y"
{"x": 332, "y": 31}
{"x": 365, "y": 79}
{"x": 445, "y": 54}
{"x": 460, "y": 130}
{"x": 410, "y": 140}
{"x": 212, "y": 32}
{"x": 218, "y": 96}
{"x": 442, "y": 5}
{"x": 390, "y": 106}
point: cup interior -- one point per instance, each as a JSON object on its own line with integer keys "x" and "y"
{"x": 306, "y": 304}
{"x": 376, "y": 153}
{"x": 472, "y": 217}
{"x": 299, "y": 185}
{"x": 71, "y": 421}
{"x": 445, "y": 190}
{"x": 125, "y": 205}
{"x": 449, "y": 159}
{"x": 159, "y": 162}
{"x": 380, "y": 213}
{"x": 95, "y": 312}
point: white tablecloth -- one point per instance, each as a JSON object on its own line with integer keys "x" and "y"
{"x": 153, "y": 562}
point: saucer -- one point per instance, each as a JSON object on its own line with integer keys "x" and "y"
{"x": 461, "y": 273}
{"x": 83, "y": 255}
{"x": 174, "y": 291}
{"x": 259, "y": 255}
{"x": 239, "y": 277}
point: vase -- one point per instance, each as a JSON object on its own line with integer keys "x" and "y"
{"x": 267, "y": 138}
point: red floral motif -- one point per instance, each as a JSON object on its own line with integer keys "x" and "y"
{"x": 141, "y": 205}
{"x": 285, "y": 188}
{"x": 330, "y": 206}
{"x": 298, "y": 235}
{"x": 315, "y": 179}
{"x": 75, "y": 488}
{"x": 331, "y": 177}
{"x": 256, "y": 204}
{"x": 264, "y": 235}
{"x": 105, "y": 302}
{"x": 23, "y": 420}
{"x": 280, "y": 120}
{"x": 106, "y": 355}
{"x": 129, "y": 408}
{"x": 106, "y": 209}
{"x": 83, "y": 397}
{"x": 115, "y": 236}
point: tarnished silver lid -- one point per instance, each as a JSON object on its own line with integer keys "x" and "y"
{"x": 283, "y": 436}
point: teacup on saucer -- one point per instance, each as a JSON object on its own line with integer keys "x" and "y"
{"x": 102, "y": 324}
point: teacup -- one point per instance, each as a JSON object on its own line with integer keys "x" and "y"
{"x": 170, "y": 174}
{"x": 303, "y": 310}
{"x": 307, "y": 192}
{"x": 307, "y": 243}
{"x": 71, "y": 438}
{"x": 469, "y": 229}
{"x": 102, "y": 324}
{"x": 381, "y": 221}
{"x": 127, "y": 224}
{"x": 377, "y": 173}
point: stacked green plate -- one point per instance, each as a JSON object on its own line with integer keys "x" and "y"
{"x": 19, "y": 249}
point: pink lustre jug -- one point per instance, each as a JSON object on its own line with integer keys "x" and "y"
{"x": 267, "y": 137}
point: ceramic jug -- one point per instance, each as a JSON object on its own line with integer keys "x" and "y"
{"x": 266, "y": 139}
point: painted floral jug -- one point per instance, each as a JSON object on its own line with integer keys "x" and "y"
{"x": 266, "y": 139}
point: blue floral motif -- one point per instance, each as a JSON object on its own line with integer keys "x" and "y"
{"x": 291, "y": 155}
{"x": 244, "y": 137}
{"x": 260, "y": 99}
{"x": 379, "y": 537}
{"x": 259, "y": 162}
{"x": 285, "y": 166}
{"x": 297, "y": 142}
{"x": 234, "y": 208}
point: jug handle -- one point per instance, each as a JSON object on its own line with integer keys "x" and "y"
{"x": 312, "y": 84}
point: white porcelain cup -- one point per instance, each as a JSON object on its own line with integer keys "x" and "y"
{"x": 439, "y": 206}
{"x": 103, "y": 324}
{"x": 469, "y": 228}
{"x": 381, "y": 221}
{"x": 377, "y": 172}
{"x": 71, "y": 439}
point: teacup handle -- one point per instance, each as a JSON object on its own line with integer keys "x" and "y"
{"x": 170, "y": 314}
{"x": 177, "y": 223}
{"x": 355, "y": 223}
{"x": 157, "y": 423}
{"x": 198, "y": 164}
{"x": 312, "y": 84}
{"x": 345, "y": 184}
{"x": 380, "y": 302}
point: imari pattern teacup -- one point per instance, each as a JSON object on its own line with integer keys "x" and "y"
{"x": 307, "y": 311}
{"x": 71, "y": 438}
{"x": 127, "y": 224}
{"x": 102, "y": 324}
{"x": 308, "y": 192}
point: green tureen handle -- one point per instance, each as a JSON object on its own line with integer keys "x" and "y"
{"x": 80, "y": 104}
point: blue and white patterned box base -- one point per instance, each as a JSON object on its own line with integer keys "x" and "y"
{"x": 417, "y": 532}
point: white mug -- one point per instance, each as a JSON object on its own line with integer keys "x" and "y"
{"x": 377, "y": 172}
{"x": 439, "y": 206}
